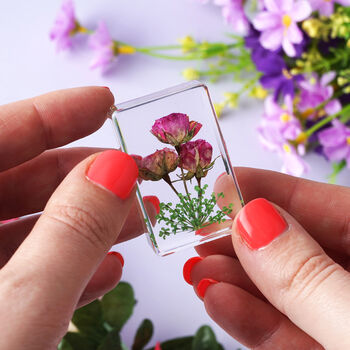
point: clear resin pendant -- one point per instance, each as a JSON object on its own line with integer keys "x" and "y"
{"x": 175, "y": 139}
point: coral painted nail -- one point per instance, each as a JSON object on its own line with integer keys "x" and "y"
{"x": 188, "y": 268}
{"x": 114, "y": 170}
{"x": 118, "y": 256}
{"x": 259, "y": 223}
{"x": 203, "y": 285}
{"x": 154, "y": 200}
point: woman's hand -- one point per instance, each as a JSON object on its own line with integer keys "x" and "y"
{"x": 282, "y": 280}
{"x": 52, "y": 263}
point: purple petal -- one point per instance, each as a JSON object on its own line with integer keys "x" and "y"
{"x": 272, "y": 6}
{"x": 301, "y": 10}
{"x": 327, "y": 78}
{"x": 326, "y": 8}
{"x": 272, "y": 39}
{"x": 288, "y": 47}
{"x": 266, "y": 20}
{"x": 294, "y": 34}
{"x": 332, "y": 137}
{"x": 338, "y": 153}
{"x": 286, "y": 5}
{"x": 333, "y": 107}
{"x": 343, "y": 2}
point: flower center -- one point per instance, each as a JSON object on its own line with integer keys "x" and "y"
{"x": 285, "y": 117}
{"x": 348, "y": 140}
{"x": 287, "y": 21}
{"x": 287, "y": 148}
{"x": 286, "y": 73}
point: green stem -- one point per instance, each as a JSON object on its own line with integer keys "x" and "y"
{"x": 325, "y": 121}
{"x": 167, "y": 57}
{"x": 168, "y": 181}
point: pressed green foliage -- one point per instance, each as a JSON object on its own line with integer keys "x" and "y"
{"x": 89, "y": 321}
{"x": 143, "y": 335}
{"x": 78, "y": 342}
{"x": 111, "y": 342}
{"x": 205, "y": 339}
{"x": 118, "y": 305}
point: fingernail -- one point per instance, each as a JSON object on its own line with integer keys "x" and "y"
{"x": 114, "y": 170}
{"x": 188, "y": 268}
{"x": 259, "y": 223}
{"x": 221, "y": 175}
{"x": 203, "y": 286}
{"x": 119, "y": 256}
{"x": 154, "y": 201}
{"x": 106, "y": 87}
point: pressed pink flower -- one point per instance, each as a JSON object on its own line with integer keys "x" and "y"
{"x": 157, "y": 165}
{"x": 278, "y": 24}
{"x": 315, "y": 91}
{"x": 64, "y": 26}
{"x": 234, "y": 15}
{"x": 102, "y": 43}
{"x": 175, "y": 129}
{"x": 326, "y": 7}
{"x": 195, "y": 157}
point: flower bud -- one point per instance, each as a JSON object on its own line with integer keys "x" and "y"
{"x": 158, "y": 164}
{"x": 195, "y": 157}
{"x": 175, "y": 129}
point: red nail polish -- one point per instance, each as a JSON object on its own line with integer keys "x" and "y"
{"x": 221, "y": 175}
{"x": 203, "y": 286}
{"x": 188, "y": 268}
{"x": 259, "y": 223}
{"x": 106, "y": 87}
{"x": 119, "y": 256}
{"x": 154, "y": 201}
{"x": 115, "y": 171}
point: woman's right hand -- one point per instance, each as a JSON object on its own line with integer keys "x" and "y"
{"x": 282, "y": 280}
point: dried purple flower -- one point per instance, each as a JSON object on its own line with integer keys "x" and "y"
{"x": 175, "y": 129}
{"x": 157, "y": 165}
{"x": 195, "y": 157}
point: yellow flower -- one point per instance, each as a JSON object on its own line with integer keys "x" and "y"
{"x": 219, "y": 107}
{"x": 259, "y": 92}
{"x": 126, "y": 50}
{"x": 231, "y": 99}
{"x": 187, "y": 43}
{"x": 191, "y": 74}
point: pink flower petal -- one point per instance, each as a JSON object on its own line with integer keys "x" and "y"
{"x": 327, "y": 78}
{"x": 286, "y": 5}
{"x": 344, "y": 2}
{"x": 288, "y": 47}
{"x": 266, "y": 20}
{"x": 271, "y": 39}
{"x": 301, "y": 10}
{"x": 294, "y": 34}
{"x": 326, "y": 8}
{"x": 272, "y": 6}
{"x": 333, "y": 107}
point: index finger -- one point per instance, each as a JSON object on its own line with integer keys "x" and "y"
{"x": 322, "y": 209}
{"x": 29, "y": 127}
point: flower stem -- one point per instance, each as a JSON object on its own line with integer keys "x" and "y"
{"x": 327, "y": 120}
{"x": 166, "y": 178}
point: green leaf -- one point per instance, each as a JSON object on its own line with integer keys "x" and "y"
{"x": 89, "y": 321}
{"x": 143, "y": 335}
{"x": 111, "y": 342}
{"x": 78, "y": 342}
{"x": 177, "y": 344}
{"x": 205, "y": 339}
{"x": 118, "y": 305}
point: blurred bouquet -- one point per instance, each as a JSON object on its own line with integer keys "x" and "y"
{"x": 294, "y": 54}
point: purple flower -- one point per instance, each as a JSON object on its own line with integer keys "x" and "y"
{"x": 157, "y": 165}
{"x": 315, "y": 91}
{"x": 64, "y": 26}
{"x": 336, "y": 142}
{"x": 195, "y": 157}
{"x": 278, "y": 24}
{"x": 233, "y": 13}
{"x": 326, "y": 7}
{"x": 103, "y": 45}
{"x": 175, "y": 129}
{"x": 278, "y": 127}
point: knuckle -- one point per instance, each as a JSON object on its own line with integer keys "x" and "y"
{"x": 81, "y": 222}
{"x": 307, "y": 276}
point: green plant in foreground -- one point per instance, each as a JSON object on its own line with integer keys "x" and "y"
{"x": 99, "y": 325}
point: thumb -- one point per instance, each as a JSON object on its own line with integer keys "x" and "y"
{"x": 80, "y": 223}
{"x": 293, "y": 272}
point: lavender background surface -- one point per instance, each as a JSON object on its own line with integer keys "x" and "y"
{"x": 29, "y": 66}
